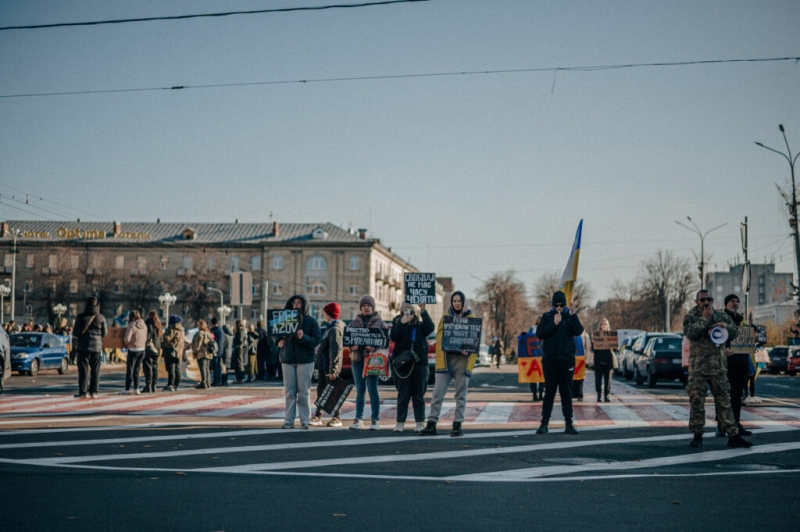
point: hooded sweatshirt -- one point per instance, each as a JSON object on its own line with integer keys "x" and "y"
{"x": 136, "y": 335}
{"x": 441, "y": 355}
{"x": 297, "y": 351}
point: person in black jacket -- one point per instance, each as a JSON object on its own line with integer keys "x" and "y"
{"x": 90, "y": 328}
{"x": 410, "y": 331}
{"x": 297, "y": 359}
{"x": 738, "y": 366}
{"x": 557, "y": 329}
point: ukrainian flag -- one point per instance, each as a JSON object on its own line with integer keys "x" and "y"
{"x": 571, "y": 271}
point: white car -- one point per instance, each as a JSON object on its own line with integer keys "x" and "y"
{"x": 484, "y": 358}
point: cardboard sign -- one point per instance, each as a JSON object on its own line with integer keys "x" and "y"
{"x": 580, "y": 369}
{"x": 366, "y": 337}
{"x": 529, "y": 369}
{"x": 376, "y": 364}
{"x": 746, "y": 341}
{"x": 533, "y": 347}
{"x": 605, "y": 340}
{"x": 283, "y": 323}
{"x": 420, "y": 288}
{"x": 333, "y": 396}
{"x": 115, "y": 339}
{"x": 461, "y": 334}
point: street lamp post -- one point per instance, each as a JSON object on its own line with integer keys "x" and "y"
{"x": 793, "y": 205}
{"x": 58, "y": 310}
{"x": 702, "y": 236}
{"x": 221, "y": 303}
{"x": 166, "y": 300}
{"x": 223, "y": 311}
{"x": 15, "y": 234}
{"x": 4, "y": 291}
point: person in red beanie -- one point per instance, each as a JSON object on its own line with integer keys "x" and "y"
{"x": 329, "y": 358}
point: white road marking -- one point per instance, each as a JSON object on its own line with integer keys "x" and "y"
{"x": 622, "y": 416}
{"x": 189, "y": 405}
{"x": 248, "y": 407}
{"x": 495, "y": 413}
{"x": 791, "y": 412}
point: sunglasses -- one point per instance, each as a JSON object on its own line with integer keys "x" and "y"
{"x": 706, "y": 299}
{"x": 559, "y": 305}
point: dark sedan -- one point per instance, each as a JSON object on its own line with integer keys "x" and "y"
{"x": 31, "y": 352}
{"x": 778, "y": 359}
{"x": 661, "y": 359}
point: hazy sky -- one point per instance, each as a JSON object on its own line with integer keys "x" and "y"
{"x": 462, "y": 175}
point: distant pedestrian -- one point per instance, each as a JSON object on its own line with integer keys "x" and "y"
{"x": 226, "y": 357}
{"x": 410, "y": 332}
{"x": 172, "y": 349}
{"x": 152, "y": 352}
{"x": 203, "y": 353}
{"x": 451, "y": 365}
{"x": 297, "y": 359}
{"x": 263, "y": 348}
{"x": 498, "y": 350}
{"x": 217, "y": 362}
{"x": 90, "y": 328}
{"x": 707, "y": 367}
{"x": 135, "y": 341}
{"x": 329, "y": 359}
{"x": 558, "y": 329}
{"x": 241, "y": 347}
{"x": 371, "y": 319}
{"x": 252, "y": 353}
{"x": 603, "y": 366}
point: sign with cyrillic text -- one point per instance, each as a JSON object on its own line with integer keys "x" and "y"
{"x": 461, "y": 334}
{"x": 366, "y": 337}
{"x": 420, "y": 288}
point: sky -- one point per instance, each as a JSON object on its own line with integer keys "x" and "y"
{"x": 462, "y": 175}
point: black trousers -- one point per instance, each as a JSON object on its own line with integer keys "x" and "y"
{"x": 413, "y": 388}
{"x": 557, "y": 377}
{"x": 261, "y": 366}
{"x": 88, "y": 372}
{"x": 173, "y": 365}
{"x": 132, "y": 368}
{"x": 602, "y": 372}
{"x": 737, "y": 376}
{"x": 150, "y": 368}
{"x": 322, "y": 382}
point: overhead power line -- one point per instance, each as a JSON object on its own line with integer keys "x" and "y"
{"x": 405, "y": 76}
{"x": 207, "y": 15}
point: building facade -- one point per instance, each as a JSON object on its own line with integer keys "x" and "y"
{"x": 129, "y": 265}
{"x": 766, "y": 286}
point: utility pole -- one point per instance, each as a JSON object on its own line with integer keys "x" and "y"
{"x": 745, "y": 271}
{"x": 15, "y": 234}
{"x": 792, "y": 206}
{"x": 702, "y": 236}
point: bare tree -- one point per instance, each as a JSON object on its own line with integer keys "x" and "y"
{"x": 549, "y": 283}
{"x": 194, "y": 294}
{"x": 506, "y": 310}
{"x": 663, "y": 276}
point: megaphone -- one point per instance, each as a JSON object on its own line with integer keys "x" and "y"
{"x": 719, "y": 335}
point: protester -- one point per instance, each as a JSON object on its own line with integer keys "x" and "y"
{"x": 738, "y": 365}
{"x": 172, "y": 349}
{"x": 135, "y": 341}
{"x": 451, "y": 365}
{"x": 203, "y": 353}
{"x": 251, "y": 368}
{"x": 603, "y": 366}
{"x": 297, "y": 359}
{"x": 498, "y": 350}
{"x": 410, "y": 332}
{"x": 264, "y": 350}
{"x": 557, "y": 330}
{"x": 329, "y": 359}
{"x": 371, "y": 319}
{"x": 707, "y": 368}
{"x": 217, "y": 362}
{"x": 226, "y": 358}
{"x": 152, "y": 352}
{"x": 88, "y": 340}
{"x": 241, "y": 347}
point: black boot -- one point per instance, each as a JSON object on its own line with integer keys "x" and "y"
{"x": 607, "y": 399}
{"x": 599, "y": 398}
{"x": 738, "y": 442}
{"x": 719, "y": 433}
{"x": 456, "y": 432}
{"x": 743, "y": 431}
{"x": 697, "y": 441}
{"x": 542, "y": 428}
{"x": 430, "y": 429}
{"x": 570, "y": 428}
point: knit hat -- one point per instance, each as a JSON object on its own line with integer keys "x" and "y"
{"x": 729, "y": 297}
{"x": 174, "y": 319}
{"x": 333, "y": 310}
{"x": 559, "y": 297}
{"x": 366, "y": 300}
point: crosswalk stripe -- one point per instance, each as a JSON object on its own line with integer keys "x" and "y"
{"x": 187, "y": 406}
{"x": 495, "y": 413}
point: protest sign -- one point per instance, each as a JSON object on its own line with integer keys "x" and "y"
{"x": 333, "y": 396}
{"x": 420, "y": 288}
{"x": 283, "y": 323}
{"x": 605, "y": 340}
{"x": 366, "y": 337}
{"x": 746, "y": 341}
{"x": 115, "y": 338}
{"x": 461, "y": 334}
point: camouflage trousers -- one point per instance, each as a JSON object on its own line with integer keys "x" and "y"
{"x": 721, "y": 389}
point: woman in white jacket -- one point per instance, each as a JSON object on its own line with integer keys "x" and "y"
{"x": 135, "y": 341}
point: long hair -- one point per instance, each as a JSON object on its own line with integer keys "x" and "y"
{"x": 153, "y": 318}
{"x": 134, "y": 315}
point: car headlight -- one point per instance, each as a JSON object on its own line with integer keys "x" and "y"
{"x": 20, "y": 356}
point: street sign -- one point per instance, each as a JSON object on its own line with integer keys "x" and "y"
{"x": 241, "y": 289}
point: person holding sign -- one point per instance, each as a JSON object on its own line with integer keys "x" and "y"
{"x": 603, "y": 365}
{"x": 297, "y": 360}
{"x": 451, "y": 365}
{"x": 370, "y": 319}
{"x": 329, "y": 358}
{"x": 738, "y": 364}
{"x": 557, "y": 330}
{"x": 410, "y": 331}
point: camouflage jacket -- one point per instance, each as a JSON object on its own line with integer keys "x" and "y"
{"x": 706, "y": 357}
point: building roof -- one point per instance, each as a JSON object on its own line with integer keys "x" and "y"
{"x": 176, "y": 233}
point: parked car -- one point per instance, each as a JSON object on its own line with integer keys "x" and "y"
{"x": 661, "y": 359}
{"x": 620, "y": 354}
{"x": 5, "y": 357}
{"x": 793, "y": 361}
{"x": 31, "y": 352}
{"x": 636, "y": 350}
{"x": 778, "y": 359}
{"x": 484, "y": 358}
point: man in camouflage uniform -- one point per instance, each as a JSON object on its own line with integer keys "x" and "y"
{"x": 708, "y": 367}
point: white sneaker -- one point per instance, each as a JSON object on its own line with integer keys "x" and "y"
{"x": 399, "y": 427}
{"x": 419, "y": 427}
{"x": 375, "y": 426}
{"x": 92, "y": 396}
{"x": 357, "y": 424}
{"x": 137, "y": 392}
{"x": 316, "y": 421}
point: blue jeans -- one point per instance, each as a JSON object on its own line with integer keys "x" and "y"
{"x": 363, "y": 384}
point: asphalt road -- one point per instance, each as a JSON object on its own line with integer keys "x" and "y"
{"x": 628, "y": 469}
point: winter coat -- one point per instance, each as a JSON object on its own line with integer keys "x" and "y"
{"x": 228, "y": 341}
{"x": 297, "y": 351}
{"x": 241, "y": 346}
{"x": 441, "y": 355}
{"x": 172, "y": 343}
{"x": 402, "y": 333}
{"x": 199, "y": 343}
{"x": 558, "y": 341}
{"x": 153, "y": 340}
{"x": 706, "y": 357}
{"x": 373, "y": 321}
{"x": 136, "y": 335}
{"x": 329, "y": 354}
{"x": 88, "y": 333}
{"x": 219, "y": 337}
{"x": 266, "y": 347}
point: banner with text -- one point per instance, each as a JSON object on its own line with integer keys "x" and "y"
{"x": 605, "y": 340}
{"x": 283, "y": 323}
{"x": 746, "y": 341}
{"x": 461, "y": 334}
{"x": 420, "y": 288}
{"x": 366, "y": 337}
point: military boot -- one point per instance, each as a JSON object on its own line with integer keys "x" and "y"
{"x": 737, "y": 442}
{"x": 697, "y": 441}
{"x": 430, "y": 429}
{"x": 456, "y": 432}
{"x": 570, "y": 428}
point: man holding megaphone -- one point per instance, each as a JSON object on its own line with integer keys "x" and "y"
{"x": 707, "y": 330}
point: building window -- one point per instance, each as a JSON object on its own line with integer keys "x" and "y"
{"x": 254, "y": 289}
{"x": 211, "y": 264}
{"x": 29, "y": 261}
{"x": 28, "y": 287}
{"x": 8, "y": 261}
{"x": 73, "y": 286}
{"x": 73, "y": 310}
{"x": 141, "y": 263}
{"x": 255, "y": 263}
{"x": 52, "y": 262}
{"x": 316, "y": 288}
{"x": 353, "y": 289}
{"x": 277, "y": 289}
{"x": 277, "y": 262}
{"x": 119, "y": 262}
{"x": 118, "y": 287}
{"x": 234, "y": 264}
{"x": 317, "y": 263}
{"x": 355, "y": 263}
{"x": 164, "y": 262}
{"x": 73, "y": 262}
{"x": 254, "y": 314}
{"x": 187, "y": 262}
